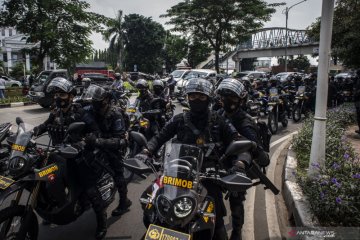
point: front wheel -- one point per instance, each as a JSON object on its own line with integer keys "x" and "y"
{"x": 272, "y": 122}
{"x": 12, "y": 221}
{"x": 296, "y": 113}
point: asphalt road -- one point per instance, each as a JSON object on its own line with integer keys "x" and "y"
{"x": 130, "y": 226}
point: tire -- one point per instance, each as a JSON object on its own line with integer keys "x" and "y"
{"x": 296, "y": 113}
{"x": 18, "y": 211}
{"x": 272, "y": 122}
{"x": 284, "y": 122}
{"x": 44, "y": 105}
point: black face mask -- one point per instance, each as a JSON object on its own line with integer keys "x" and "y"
{"x": 143, "y": 92}
{"x": 61, "y": 103}
{"x": 230, "y": 106}
{"x": 199, "y": 107}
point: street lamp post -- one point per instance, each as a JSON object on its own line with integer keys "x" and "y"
{"x": 286, "y": 11}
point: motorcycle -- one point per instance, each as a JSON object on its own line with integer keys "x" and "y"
{"x": 177, "y": 205}
{"x": 5, "y": 149}
{"x": 276, "y": 110}
{"x": 31, "y": 169}
{"x": 120, "y": 98}
{"x": 139, "y": 128}
{"x": 299, "y": 104}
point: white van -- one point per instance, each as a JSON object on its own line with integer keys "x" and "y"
{"x": 193, "y": 73}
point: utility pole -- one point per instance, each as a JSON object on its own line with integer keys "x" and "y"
{"x": 120, "y": 41}
{"x": 317, "y": 154}
{"x": 286, "y": 11}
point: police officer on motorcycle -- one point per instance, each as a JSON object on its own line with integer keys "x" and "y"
{"x": 145, "y": 96}
{"x": 201, "y": 126}
{"x": 118, "y": 83}
{"x": 109, "y": 134}
{"x": 232, "y": 92}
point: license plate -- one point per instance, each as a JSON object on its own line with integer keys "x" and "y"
{"x": 156, "y": 232}
{"x": 5, "y": 182}
{"x": 18, "y": 148}
{"x": 253, "y": 107}
{"x": 144, "y": 123}
{"x": 131, "y": 110}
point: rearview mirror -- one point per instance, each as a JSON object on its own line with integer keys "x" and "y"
{"x": 136, "y": 166}
{"x": 19, "y": 120}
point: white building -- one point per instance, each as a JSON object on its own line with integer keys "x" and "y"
{"x": 12, "y": 42}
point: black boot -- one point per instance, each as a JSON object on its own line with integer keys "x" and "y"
{"x": 220, "y": 234}
{"x": 236, "y": 234}
{"x": 101, "y": 219}
{"x": 122, "y": 208}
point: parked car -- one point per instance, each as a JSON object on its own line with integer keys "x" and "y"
{"x": 11, "y": 82}
{"x": 179, "y": 74}
{"x": 285, "y": 76}
{"x": 251, "y": 75}
{"x": 341, "y": 76}
{"x": 38, "y": 93}
{"x": 194, "y": 73}
{"x": 97, "y": 78}
{"x": 139, "y": 75}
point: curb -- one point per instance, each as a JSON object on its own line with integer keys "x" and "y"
{"x": 16, "y": 104}
{"x": 295, "y": 201}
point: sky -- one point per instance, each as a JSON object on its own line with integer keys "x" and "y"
{"x": 300, "y": 16}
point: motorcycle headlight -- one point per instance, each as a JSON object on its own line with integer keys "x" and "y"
{"x": 16, "y": 165}
{"x": 163, "y": 206}
{"x": 183, "y": 207}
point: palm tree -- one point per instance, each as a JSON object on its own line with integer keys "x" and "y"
{"x": 116, "y": 34}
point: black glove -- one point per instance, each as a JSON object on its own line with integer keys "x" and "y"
{"x": 239, "y": 167}
{"x": 90, "y": 140}
{"x": 36, "y": 131}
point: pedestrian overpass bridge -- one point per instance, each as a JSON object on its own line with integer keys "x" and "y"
{"x": 270, "y": 42}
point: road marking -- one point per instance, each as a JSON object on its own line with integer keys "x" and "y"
{"x": 282, "y": 139}
{"x": 248, "y": 232}
{"x": 270, "y": 205}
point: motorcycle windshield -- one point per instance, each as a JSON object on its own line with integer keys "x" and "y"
{"x": 273, "y": 92}
{"x": 181, "y": 167}
{"x": 23, "y": 136}
{"x": 301, "y": 89}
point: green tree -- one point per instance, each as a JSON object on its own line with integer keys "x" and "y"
{"x": 220, "y": 22}
{"x": 17, "y": 71}
{"x": 345, "y": 37}
{"x": 300, "y": 63}
{"x": 144, "y": 43}
{"x": 115, "y": 34}
{"x": 198, "y": 52}
{"x": 60, "y": 28}
{"x": 174, "y": 51}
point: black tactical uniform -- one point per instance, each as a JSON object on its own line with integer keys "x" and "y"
{"x": 197, "y": 127}
{"x": 56, "y": 125}
{"x": 232, "y": 92}
{"x": 108, "y": 132}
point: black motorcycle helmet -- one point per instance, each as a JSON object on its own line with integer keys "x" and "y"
{"x": 273, "y": 81}
{"x": 98, "y": 96}
{"x": 158, "y": 87}
{"x": 63, "y": 91}
{"x": 117, "y": 76}
{"x": 198, "y": 91}
{"x": 142, "y": 85}
{"x": 232, "y": 93}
